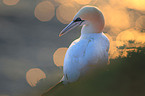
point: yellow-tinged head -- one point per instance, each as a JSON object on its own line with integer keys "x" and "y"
{"x": 88, "y": 15}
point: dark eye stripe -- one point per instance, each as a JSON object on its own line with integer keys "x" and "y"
{"x": 78, "y": 19}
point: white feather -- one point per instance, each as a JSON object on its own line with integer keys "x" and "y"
{"x": 89, "y": 49}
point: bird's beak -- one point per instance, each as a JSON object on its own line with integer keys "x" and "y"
{"x": 69, "y": 27}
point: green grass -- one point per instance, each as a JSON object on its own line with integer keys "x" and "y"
{"x": 123, "y": 77}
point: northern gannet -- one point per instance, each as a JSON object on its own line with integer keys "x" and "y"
{"x": 90, "y": 49}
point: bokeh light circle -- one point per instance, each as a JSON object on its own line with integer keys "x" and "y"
{"x": 125, "y": 36}
{"x": 135, "y": 4}
{"x": 114, "y": 16}
{"x": 34, "y": 75}
{"x": 64, "y": 1}
{"x": 10, "y": 2}
{"x": 44, "y": 11}
{"x": 58, "y": 56}
{"x": 140, "y": 23}
{"x": 65, "y": 13}
{"x": 83, "y": 2}
{"x": 113, "y": 51}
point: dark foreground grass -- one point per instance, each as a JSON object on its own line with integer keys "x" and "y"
{"x": 123, "y": 77}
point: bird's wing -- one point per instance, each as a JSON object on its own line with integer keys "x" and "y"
{"x": 72, "y": 61}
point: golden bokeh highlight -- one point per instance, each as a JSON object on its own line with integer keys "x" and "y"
{"x": 140, "y": 23}
{"x": 58, "y": 56}
{"x": 134, "y": 4}
{"x": 64, "y": 1}
{"x": 83, "y": 2}
{"x": 65, "y": 13}
{"x": 133, "y": 35}
{"x": 34, "y": 75}
{"x": 44, "y": 11}
{"x": 113, "y": 51}
{"x": 121, "y": 43}
{"x": 115, "y": 17}
{"x": 125, "y": 36}
{"x": 115, "y": 3}
{"x": 10, "y": 2}
{"x": 139, "y": 37}
{"x": 129, "y": 40}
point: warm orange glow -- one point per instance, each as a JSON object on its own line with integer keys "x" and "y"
{"x": 64, "y": 1}
{"x": 131, "y": 50}
{"x": 120, "y": 43}
{"x": 34, "y": 75}
{"x": 124, "y": 54}
{"x": 58, "y": 56}
{"x": 108, "y": 36}
{"x": 125, "y": 36}
{"x": 140, "y": 37}
{"x": 44, "y": 11}
{"x": 115, "y": 17}
{"x": 10, "y": 2}
{"x": 129, "y": 38}
{"x": 140, "y": 23}
{"x": 134, "y": 4}
{"x": 83, "y": 2}
{"x": 113, "y": 51}
{"x": 65, "y": 13}
{"x": 133, "y": 35}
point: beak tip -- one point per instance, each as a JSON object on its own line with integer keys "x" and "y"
{"x": 60, "y": 35}
{"x": 69, "y": 27}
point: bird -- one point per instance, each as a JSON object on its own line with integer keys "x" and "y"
{"x": 87, "y": 52}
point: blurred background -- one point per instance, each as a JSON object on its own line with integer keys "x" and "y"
{"x": 32, "y": 53}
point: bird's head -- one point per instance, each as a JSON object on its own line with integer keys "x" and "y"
{"x": 88, "y": 15}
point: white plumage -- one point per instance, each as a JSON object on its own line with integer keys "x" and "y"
{"x": 89, "y": 49}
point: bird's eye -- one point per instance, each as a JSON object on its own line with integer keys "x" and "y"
{"x": 78, "y": 19}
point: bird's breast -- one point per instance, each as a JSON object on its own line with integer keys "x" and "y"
{"x": 87, "y": 50}
{"x": 81, "y": 53}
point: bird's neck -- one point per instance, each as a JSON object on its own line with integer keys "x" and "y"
{"x": 90, "y": 28}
